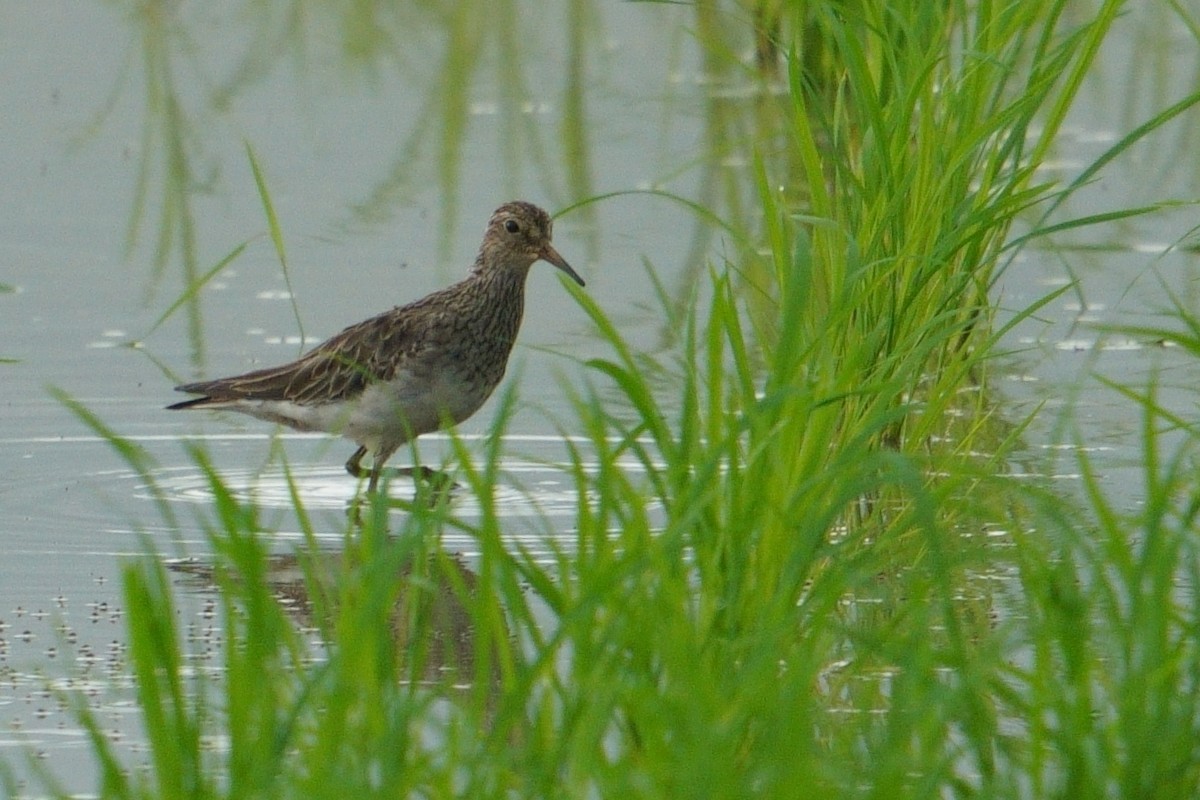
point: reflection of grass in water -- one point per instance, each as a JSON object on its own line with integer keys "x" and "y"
{"x": 812, "y": 600}
{"x": 178, "y": 133}
{"x": 7, "y": 289}
{"x": 449, "y": 51}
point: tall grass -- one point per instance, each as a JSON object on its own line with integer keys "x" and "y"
{"x": 797, "y": 594}
{"x": 913, "y": 145}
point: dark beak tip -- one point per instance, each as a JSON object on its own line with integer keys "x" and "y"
{"x": 551, "y": 256}
{"x": 574, "y": 276}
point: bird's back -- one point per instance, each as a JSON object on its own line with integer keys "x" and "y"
{"x": 464, "y": 332}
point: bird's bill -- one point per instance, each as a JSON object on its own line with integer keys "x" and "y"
{"x": 551, "y": 256}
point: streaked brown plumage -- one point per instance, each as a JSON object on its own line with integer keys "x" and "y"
{"x": 413, "y": 369}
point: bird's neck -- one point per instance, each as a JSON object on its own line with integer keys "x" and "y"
{"x": 504, "y": 290}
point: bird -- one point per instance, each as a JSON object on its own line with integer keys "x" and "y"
{"x": 412, "y": 370}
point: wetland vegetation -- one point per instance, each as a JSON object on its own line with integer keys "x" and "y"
{"x": 799, "y": 564}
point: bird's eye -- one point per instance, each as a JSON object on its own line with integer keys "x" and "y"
{"x": 512, "y": 226}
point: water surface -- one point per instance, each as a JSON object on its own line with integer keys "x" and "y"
{"x": 124, "y": 160}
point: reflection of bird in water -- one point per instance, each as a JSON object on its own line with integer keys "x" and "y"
{"x": 430, "y": 623}
{"x": 408, "y": 371}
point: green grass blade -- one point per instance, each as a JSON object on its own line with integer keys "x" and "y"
{"x": 276, "y": 236}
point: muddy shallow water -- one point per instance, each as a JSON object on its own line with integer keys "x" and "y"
{"x": 382, "y": 177}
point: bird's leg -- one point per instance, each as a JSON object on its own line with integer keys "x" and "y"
{"x": 435, "y": 478}
{"x": 354, "y": 465}
{"x": 378, "y": 459}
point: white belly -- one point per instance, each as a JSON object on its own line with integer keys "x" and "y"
{"x": 384, "y": 416}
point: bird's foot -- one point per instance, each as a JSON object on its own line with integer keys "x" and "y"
{"x": 434, "y": 478}
{"x": 439, "y": 481}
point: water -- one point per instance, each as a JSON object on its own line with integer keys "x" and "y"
{"x": 125, "y": 167}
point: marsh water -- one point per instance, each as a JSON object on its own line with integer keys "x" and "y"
{"x": 385, "y": 145}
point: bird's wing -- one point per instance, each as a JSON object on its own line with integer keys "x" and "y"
{"x": 340, "y": 367}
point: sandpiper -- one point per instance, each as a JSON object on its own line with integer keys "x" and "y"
{"x": 411, "y": 370}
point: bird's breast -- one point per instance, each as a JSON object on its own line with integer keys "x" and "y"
{"x": 419, "y": 402}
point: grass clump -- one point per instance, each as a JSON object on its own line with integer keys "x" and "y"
{"x": 912, "y": 145}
